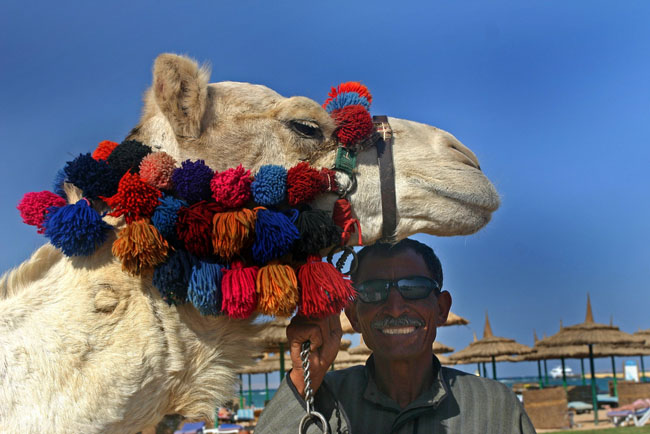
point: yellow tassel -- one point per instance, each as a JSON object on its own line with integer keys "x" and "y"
{"x": 140, "y": 246}
{"x": 232, "y": 231}
{"x": 277, "y": 288}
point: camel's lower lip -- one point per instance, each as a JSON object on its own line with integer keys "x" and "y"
{"x": 482, "y": 194}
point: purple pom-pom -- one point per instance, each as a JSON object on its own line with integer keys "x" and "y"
{"x": 192, "y": 181}
{"x": 76, "y": 229}
{"x": 270, "y": 185}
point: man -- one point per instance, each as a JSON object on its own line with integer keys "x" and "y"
{"x": 402, "y": 388}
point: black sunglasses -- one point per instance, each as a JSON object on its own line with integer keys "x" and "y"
{"x": 411, "y": 288}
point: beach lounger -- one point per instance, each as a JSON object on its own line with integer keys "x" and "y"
{"x": 638, "y": 413}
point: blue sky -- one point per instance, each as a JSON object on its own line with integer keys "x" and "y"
{"x": 552, "y": 96}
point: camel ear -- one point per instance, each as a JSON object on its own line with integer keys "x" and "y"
{"x": 181, "y": 91}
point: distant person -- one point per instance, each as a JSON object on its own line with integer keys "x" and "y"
{"x": 402, "y": 388}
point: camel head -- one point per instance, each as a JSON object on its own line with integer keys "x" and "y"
{"x": 440, "y": 188}
{"x": 95, "y": 349}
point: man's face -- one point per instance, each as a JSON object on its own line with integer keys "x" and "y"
{"x": 395, "y": 342}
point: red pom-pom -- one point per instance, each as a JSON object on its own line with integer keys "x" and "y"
{"x": 104, "y": 149}
{"x": 325, "y": 291}
{"x": 33, "y": 207}
{"x": 350, "y": 86}
{"x": 353, "y": 124}
{"x": 232, "y": 188}
{"x": 304, "y": 183}
{"x": 156, "y": 169}
{"x": 194, "y": 227}
{"x": 342, "y": 217}
{"x": 238, "y": 290}
{"x": 135, "y": 199}
{"x": 328, "y": 180}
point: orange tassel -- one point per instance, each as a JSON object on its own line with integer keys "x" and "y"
{"x": 140, "y": 246}
{"x": 277, "y": 289}
{"x": 325, "y": 291}
{"x": 232, "y": 231}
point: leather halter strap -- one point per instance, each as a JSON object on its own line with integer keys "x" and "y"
{"x": 384, "y": 145}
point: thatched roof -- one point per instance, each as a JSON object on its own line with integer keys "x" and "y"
{"x": 645, "y": 334}
{"x": 469, "y": 360}
{"x": 273, "y": 334}
{"x": 454, "y": 319}
{"x": 590, "y": 332}
{"x": 345, "y": 324}
{"x": 345, "y": 344}
{"x": 362, "y": 349}
{"x": 263, "y": 365}
{"x": 439, "y": 348}
{"x": 489, "y": 346}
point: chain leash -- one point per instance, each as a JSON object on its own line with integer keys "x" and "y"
{"x": 309, "y": 394}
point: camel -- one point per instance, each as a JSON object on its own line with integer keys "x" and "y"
{"x": 85, "y": 347}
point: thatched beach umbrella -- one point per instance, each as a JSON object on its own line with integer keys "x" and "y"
{"x": 453, "y": 319}
{"x": 274, "y": 339}
{"x": 645, "y": 334}
{"x": 361, "y": 349}
{"x": 265, "y": 365}
{"x": 590, "y": 333}
{"x": 345, "y": 324}
{"x": 440, "y": 348}
{"x": 490, "y": 346}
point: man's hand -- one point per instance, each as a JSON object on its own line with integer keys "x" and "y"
{"x": 325, "y": 337}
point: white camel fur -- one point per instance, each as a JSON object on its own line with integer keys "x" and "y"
{"x": 85, "y": 347}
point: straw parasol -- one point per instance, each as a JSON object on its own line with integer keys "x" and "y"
{"x": 345, "y": 324}
{"x": 439, "y": 348}
{"x": 274, "y": 339}
{"x": 265, "y": 365}
{"x": 361, "y": 349}
{"x": 590, "y": 333}
{"x": 490, "y": 346}
{"x": 645, "y": 334}
{"x": 454, "y": 319}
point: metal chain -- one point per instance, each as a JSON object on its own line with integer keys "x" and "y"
{"x": 309, "y": 394}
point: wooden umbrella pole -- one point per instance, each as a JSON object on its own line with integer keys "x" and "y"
{"x": 614, "y": 374}
{"x": 250, "y": 391}
{"x": 241, "y": 391}
{"x": 594, "y": 391}
{"x": 539, "y": 372}
{"x": 563, "y": 373}
{"x": 281, "y": 361}
{"x": 484, "y": 370}
{"x": 545, "y": 372}
{"x": 582, "y": 370}
{"x": 494, "y": 369}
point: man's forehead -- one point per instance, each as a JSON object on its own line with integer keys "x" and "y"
{"x": 392, "y": 265}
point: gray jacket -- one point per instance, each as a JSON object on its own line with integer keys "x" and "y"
{"x": 350, "y": 400}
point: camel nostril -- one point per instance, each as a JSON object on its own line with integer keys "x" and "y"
{"x": 464, "y": 155}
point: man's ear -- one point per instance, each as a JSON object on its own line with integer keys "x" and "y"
{"x": 351, "y": 313}
{"x": 180, "y": 88}
{"x": 444, "y": 306}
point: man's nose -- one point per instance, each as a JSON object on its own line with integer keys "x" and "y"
{"x": 395, "y": 304}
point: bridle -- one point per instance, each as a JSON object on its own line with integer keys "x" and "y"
{"x": 346, "y": 161}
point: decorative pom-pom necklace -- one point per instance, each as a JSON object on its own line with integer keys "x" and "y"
{"x": 231, "y": 242}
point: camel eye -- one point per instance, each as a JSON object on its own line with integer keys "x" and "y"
{"x": 305, "y": 128}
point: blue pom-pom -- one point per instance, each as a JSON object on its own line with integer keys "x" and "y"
{"x": 192, "y": 181}
{"x": 57, "y": 185}
{"x": 166, "y": 214}
{"x": 94, "y": 178}
{"x": 270, "y": 185}
{"x": 345, "y": 99}
{"x": 75, "y": 229}
{"x": 204, "y": 290}
{"x": 172, "y": 277}
{"x": 275, "y": 234}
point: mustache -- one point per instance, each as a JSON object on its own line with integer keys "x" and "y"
{"x": 402, "y": 321}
